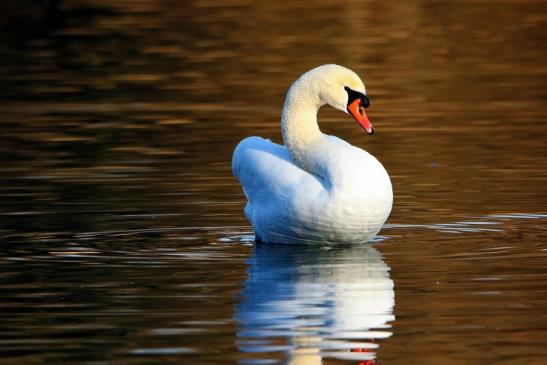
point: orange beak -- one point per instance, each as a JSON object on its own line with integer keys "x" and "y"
{"x": 358, "y": 113}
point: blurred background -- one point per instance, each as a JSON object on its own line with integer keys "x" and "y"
{"x": 122, "y": 228}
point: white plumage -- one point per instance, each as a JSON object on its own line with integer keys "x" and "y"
{"x": 317, "y": 188}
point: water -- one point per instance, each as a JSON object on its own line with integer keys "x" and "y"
{"x": 122, "y": 232}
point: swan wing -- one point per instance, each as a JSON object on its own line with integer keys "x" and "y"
{"x": 275, "y": 187}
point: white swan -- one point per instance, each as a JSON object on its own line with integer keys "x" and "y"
{"x": 316, "y": 188}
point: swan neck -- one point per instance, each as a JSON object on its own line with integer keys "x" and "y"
{"x": 299, "y": 124}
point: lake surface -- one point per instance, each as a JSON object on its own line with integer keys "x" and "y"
{"x": 122, "y": 229}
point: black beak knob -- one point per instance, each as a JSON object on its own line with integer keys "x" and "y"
{"x": 365, "y": 101}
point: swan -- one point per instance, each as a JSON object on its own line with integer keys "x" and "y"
{"x": 316, "y": 188}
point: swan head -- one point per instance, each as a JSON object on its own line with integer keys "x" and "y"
{"x": 341, "y": 88}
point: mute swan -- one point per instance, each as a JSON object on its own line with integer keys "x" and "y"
{"x": 316, "y": 188}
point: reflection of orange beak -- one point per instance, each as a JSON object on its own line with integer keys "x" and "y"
{"x": 360, "y": 116}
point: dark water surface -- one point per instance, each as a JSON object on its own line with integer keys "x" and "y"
{"x": 122, "y": 232}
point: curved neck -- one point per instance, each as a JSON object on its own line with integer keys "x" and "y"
{"x": 299, "y": 124}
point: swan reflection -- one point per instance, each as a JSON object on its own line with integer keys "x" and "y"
{"x": 312, "y": 303}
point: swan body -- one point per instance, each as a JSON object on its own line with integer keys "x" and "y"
{"x": 316, "y": 188}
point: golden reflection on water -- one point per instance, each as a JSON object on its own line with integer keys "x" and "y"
{"x": 118, "y": 123}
